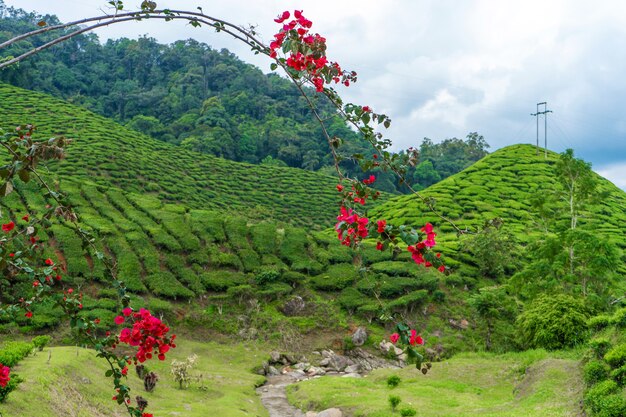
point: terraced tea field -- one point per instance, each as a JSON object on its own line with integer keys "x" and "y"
{"x": 110, "y": 155}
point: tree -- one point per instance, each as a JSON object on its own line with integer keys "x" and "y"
{"x": 553, "y": 321}
{"x": 492, "y": 304}
{"x": 571, "y": 255}
{"x": 493, "y": 249}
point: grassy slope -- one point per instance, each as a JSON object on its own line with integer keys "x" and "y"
{"x": 501, "y": 185}
{"x": 528, "y": 384}
{"x": 111, "y": 155}
{"x": 524, "y": 384}
{"x": 60, "y": 390}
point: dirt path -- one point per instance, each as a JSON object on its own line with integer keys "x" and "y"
{"x": 274, "y": 397}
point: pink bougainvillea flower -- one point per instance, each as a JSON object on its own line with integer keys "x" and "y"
{"x": 379, "y": 246}
{"x": 49, "y": 262}
{"x": 127, "y": 311}
{"x": 394, "y": 338}
{"x": 381, "y": 225}
{"x": 119, "y": 320}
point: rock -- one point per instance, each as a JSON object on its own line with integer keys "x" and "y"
{"x": 385, "y": 346}
{"x": 351, "y": 375}
{"x": 310, "y": 414}
{"x": 339, "y": 363}
{"x": 353, "y": 369}
{"x": 85, "y": 380}
{"x": 315, "y": 371}
{"x": 331, "y": 412}
{"x": 294, "y": 306}
{"x": 272, "y": 371}
{"x": 325, "y": 362}
{"x": 359, "y": 336}
{"x": 289, "y": 359}
{"x": 302, "y": 366}
{"x": 274, "y": 357}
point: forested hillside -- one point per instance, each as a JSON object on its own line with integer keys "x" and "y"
{"x": 206, "y": 100}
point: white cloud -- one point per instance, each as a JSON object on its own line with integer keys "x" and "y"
{"x": 616, "y": 173}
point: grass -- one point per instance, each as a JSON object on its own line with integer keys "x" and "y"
{"x": 73, "y": 384}
{"x": 525, "y": 384}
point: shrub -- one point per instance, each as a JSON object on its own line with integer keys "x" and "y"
{"x": 222, "y": 280}
{"x": 553, "y": 322}
{"x": 13, "y": 352}
{"x": 294, "y": 278}
{"x": 410, "y": 301}
{"x": 351, "y": 299}
{"x": 599, "y": 322}
{"x": 600, "y": 346}
{"x": 408, "y": 412}
{"x": 616, "y": 357}
{"x": 619, "y": 318}
{"x": 149, "y": 381}
{"x": 336, "y": 278}
{"x": 275, "y": 291}
{"x": 181, "y": 371}
{"x": 267, "y": 276}
{"x": 393, "y": 381}
{"x": 595, "y": 371}
{"x": 619, "y": 375}
{"x": 613, "y": 405}
{"x": 394, "y": 400}
{"x": 596, "y": 395}
{"x": 40, "y": 342}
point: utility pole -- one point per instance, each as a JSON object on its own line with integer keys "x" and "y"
{"x": 545, "y": 125}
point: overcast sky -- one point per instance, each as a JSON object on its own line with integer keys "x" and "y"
{"x": 444, "y": 68}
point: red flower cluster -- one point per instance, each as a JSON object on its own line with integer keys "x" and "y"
{"x": 310, "y": 53}
{"x": 417, "y": 251}
{"x": 370, "y": 180}
{"x": 4, "y": 375}
{"x": 148, "y": 332}
{"x": 414, "y": 339}
{"x": 356, "y": 226}
{"x": 6, "y": 228}
{"x": 430, "y": 235}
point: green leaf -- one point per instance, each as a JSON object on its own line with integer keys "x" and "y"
{"x": 273, "y": 66}
{"x": 108, "y": 373}
{"x": 24, "y": 175}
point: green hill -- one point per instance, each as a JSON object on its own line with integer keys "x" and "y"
{"x": 502, "y": 185}
{"x": 108, "y": 154}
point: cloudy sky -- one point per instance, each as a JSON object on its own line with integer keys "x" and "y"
{"x": 444, "y": 68}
